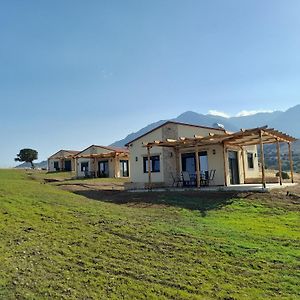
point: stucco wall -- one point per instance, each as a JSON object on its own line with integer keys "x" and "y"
{"x": 137, "y": 152}
{"x": 51, "y": 164}
{"x": 190, "y": 131}
{"x": 252, "y": 173}
{"x": 79, "y": 173}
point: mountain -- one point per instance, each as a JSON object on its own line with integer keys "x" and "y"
{"x": 40, "y": 165}
{"x": 191, "y": 117}
{"x": 255, "y": 120}
{"x": 285, "y": 121}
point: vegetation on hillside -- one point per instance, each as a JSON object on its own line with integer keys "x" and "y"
{"x": 58, "y": 245}
{"x": 271, "y": 156}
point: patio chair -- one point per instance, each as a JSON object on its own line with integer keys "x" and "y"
{"x": 209, "y": 176}
{"x": 177, "y": 180}
{"x": 186, "y": 179}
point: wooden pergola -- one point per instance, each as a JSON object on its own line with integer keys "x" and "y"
{"x": 244, "y": 137}
{"x": 108, "y": 155}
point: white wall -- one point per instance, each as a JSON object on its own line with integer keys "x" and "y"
{"x": 252, "y": 173}
{"x": 190, "y": 131}
{"x": 79, "y": 173}
{"x": 137, "y": 152}
{"x": 51, "y": 164}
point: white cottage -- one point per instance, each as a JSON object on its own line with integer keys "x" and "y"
{"x": 102, "y": 161}
{"x": 63, "y": 160}
{"x": 190, "y": 154}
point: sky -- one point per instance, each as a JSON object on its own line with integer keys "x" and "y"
{"x": 76, "y": 73}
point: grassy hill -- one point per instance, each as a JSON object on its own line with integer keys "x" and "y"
{"x": 59, "y": 245}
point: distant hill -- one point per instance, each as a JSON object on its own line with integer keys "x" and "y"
{"x": 42, "y": 165}
{"x": 285, "y": 121}
{"x": 271, "y": 156}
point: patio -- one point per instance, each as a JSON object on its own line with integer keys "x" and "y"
{"x": 230, "y": 188}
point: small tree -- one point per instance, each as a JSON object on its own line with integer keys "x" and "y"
{"x": 27, "y": 155}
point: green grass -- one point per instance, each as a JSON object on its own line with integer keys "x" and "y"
{"x": 58, "y": 245}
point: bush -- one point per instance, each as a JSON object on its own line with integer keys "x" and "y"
{"x": 284, "y": 175}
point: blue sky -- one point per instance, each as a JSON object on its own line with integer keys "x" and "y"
{"x": 75, "y": 73}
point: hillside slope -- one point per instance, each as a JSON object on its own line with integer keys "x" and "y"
{"x": 58, "y": 245}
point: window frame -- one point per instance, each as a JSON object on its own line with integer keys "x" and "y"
{"x": 85, "y": 163}
{"x": 250, "y": 158}
{"x": 153, "y": 159}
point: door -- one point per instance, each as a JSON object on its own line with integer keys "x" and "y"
{"x": 68, "y": 165}
{"x": 124, "y": 170}
{"x": 56, "y": 166}
{"x": 233, "y": 167}
{"x": 103, "y": 168}
{"x": 203, "y": 161}
{"x": 188, "y": 163}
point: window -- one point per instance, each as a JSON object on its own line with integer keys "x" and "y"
{"x": 124, "y": 172}
{"x": 84, "y": 166}
{"x": 103, "y": 168}
{"x": 250, "y": 159}
{"x": 56, "y": 166}
{"x": 154, "y": 164}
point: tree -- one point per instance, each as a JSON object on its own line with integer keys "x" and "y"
{"x": 27, "y": 155}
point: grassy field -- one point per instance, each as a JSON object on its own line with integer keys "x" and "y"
{"x": 59, "y": 245}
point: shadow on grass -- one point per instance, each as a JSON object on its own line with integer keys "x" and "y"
{"x": 202, "y": 201}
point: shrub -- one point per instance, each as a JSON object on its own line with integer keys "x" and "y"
{"x": 284, "y": 175}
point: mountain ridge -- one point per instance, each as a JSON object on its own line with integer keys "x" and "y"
{"x": 285, "y": 121}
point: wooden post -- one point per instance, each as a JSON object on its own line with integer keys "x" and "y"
{"x": 225, "y": 164}
{"x": 291, "y": 162}
{"x": 262, "y": 160}
{"x": 197, "y": 167}
{"x": 177, "y": 161}
{"x": 149, "y": 168}
{"x": 244, "y": 168}
{"x": 75, "y": 165}
{"x": 94, "y": 167}
{"x": 279, "y": 162}
{"x": 116, "y": 165}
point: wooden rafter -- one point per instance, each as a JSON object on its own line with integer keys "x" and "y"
{"x": 244, "y": 137}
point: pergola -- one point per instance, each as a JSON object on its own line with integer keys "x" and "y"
{"x": 108, "y": 155}
{"x": 244, "y": 137}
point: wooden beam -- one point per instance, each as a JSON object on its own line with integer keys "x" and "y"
{"x": 279, "y": 162}
{"x": 75, "y": 165}
{"x": 116, "y": 165}
{"x": 291, "y": 162}
{"x": 177, "y": 157}
{"x": 197, "y": 166}
{"x": 262, "y": 160}
{"x": 225, "y": 158}
{"x": 243, "y": 159}
{"x": 149, "y": 169}
{"x": 94, "y": 167}
{"x": 278, "y": 135}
